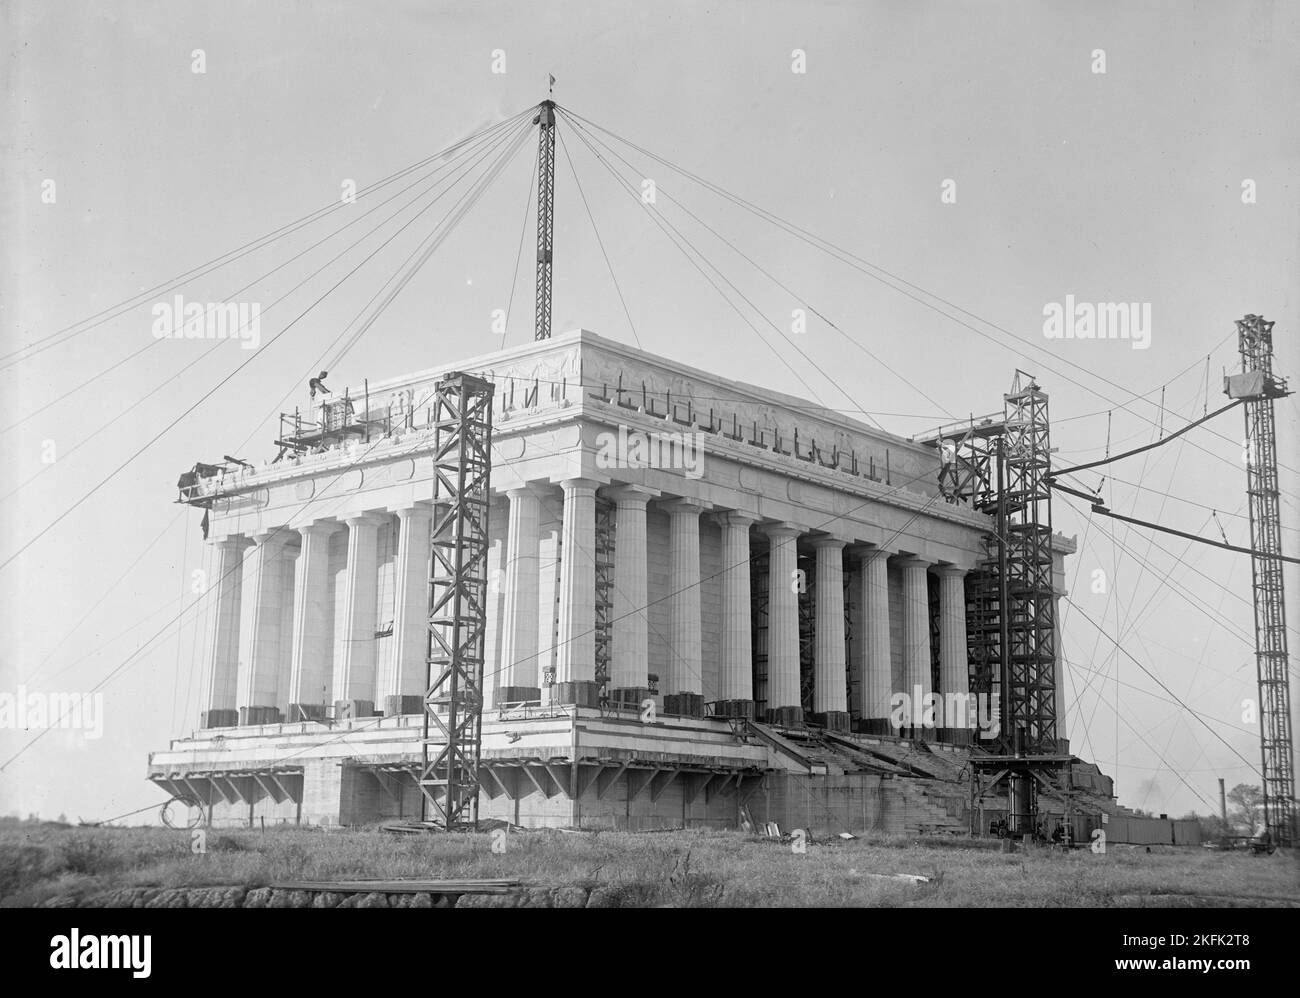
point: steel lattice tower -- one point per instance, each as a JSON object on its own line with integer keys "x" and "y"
{"x": 545, "y": 121}
{"x": 1259, "y": 389}
{"x": 453, "y": 699}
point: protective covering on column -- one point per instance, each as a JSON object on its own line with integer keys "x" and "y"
{"x": 354, "y": 661}
{"x": 411, "y": 605}
{"x": 223, "y": 671}
{"x": 736, "y": 675}
{"x": 575, "y": 659}
{"x": 261, "y": 648}
{"x": 313, "y": 627}
{"x": 522, "y": 591}
{"x": 954, "y": 669}
{"x": 783, "y": 699}
{"x": 630, "y": 661}
{"x": 916, "y": 633}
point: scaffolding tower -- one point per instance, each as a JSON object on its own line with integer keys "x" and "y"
{"x": 453, "y": 699}
{"x": 1000, "y": 465}
{"x": 1258, "y": 387}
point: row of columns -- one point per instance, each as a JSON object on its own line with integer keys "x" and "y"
{"x": 681, "y": 674}
{"x": 248, "y": 660}
{"x": 255, "y": 663}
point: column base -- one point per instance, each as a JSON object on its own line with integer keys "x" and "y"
{"x": 734, "y": 708}
{"x": 307, "y": 712}
{"x": 220, "y": 717}
{"x": 873, "y": 726}
{"x": 579, "y": 692}
{"x": 516, "y": 694}
{"x": 344, "y": 709}
{"x": 785, "y": 717}
{"x": 259, "y": 715}
{"x": 832, "y": 720}
{"x": 629, "y": 697}
{"x": 684, "y": 704}
{"x": 956, "y": 736}
{"x": 403, "y": 703}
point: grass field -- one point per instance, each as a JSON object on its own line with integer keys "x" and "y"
{"x": 44, "y": 860}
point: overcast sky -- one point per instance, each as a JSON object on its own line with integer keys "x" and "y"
{"x": 1168, "y": 179}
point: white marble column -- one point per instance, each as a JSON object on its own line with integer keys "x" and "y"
{"x": 783, "y": 621}
{"x": 630, "y": 653}
{"x": 223, "y": 672}
{"x": 261, "y": 645}
{"x": 876, "y": 666}
{"x": 411, "y": 603}
{"x": 575, "y": 659}
{"x": 311, "y": 659}
{"x": 519, "y": 624}
{"x": 916, "y": 632}
{"x": 685, "y": 657}
{"x": 954, "y": 670}
{"x": 830, "y": 694}
{"x": 736, "y": 675}
{"x": 354, "y": 672}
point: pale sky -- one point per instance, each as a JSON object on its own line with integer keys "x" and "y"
{"x": 1122, "y": 186}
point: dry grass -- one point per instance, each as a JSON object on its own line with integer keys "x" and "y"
{"x": 688, "y": 868}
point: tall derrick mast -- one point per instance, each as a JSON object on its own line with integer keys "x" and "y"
{"x": 1258, "y": 387}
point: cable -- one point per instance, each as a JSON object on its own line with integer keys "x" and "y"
{"x": 599, "y": 242}
{"x": 1180, "y": 702}
{"x": 155, "y": 342}
{"x": 519, "y": 253}
{"x": 199, "y": 402}
{"x": 241, "y": 251}
{"x": 810, "y": 237}
{"x": 1138, "y": 450}
{"x": 852, "y": 340}
{"x": 219, "y": 343}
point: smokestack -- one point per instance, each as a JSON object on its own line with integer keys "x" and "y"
{"x": 1223, "y": 806}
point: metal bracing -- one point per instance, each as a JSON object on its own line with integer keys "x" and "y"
{"x": 806, "y": 600}
{"x": 759, "y": 605}
{"x": 851, "y": 694}
{"x": 453, "y": 699}
{"x": 1029, "y": 714}
{"x": 545, "y": 121}
{"x": 604, "y": 587}
{"x": 1255, "y": 339}
{"x": 1001, "y": 467}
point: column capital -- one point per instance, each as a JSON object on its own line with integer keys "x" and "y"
{"x": 684, "y": 504}
{"x": 273, "y": 537}
{"x": 817, "y": 543}
{"x": 783, "y": 530}
{"x": 536, "y": 491}
{"x": 734, "y": 518}
{"x": 580, "y": 485}
{"x": 950, "y": 571}
{"x": 913, "y": 561}
{"x": 630, "y": 493}
{"x": 414, "y": 509}
{"x": 231, "y": 540}
{"x": 869, "y": 552}
{"x": 363, "y": 520}
{"x": 319, "y": 528}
